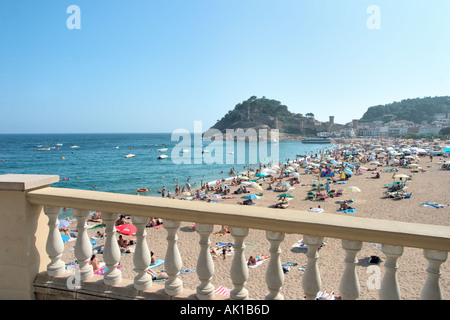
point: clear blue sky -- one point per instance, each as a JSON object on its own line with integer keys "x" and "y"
{"x": 159, "y": 65}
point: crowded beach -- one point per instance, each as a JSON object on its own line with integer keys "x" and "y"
{"x": 379, "y": 179}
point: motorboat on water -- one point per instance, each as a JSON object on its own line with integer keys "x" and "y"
{"x": 316, "y": 140}
{"x": 74, "y": 147}
{"x": 163, "y": 156}
{"x": 43, "y": 149}
{"x": 162, "y": 150}
{"x": 130, "y": 155}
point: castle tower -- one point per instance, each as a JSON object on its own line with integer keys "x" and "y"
{"x": 330, "y": 123}
{"x": 331, "y": 120}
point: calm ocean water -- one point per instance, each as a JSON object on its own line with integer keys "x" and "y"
{"x": 99, "y": 161}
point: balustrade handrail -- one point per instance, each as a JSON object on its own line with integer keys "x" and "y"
{"x": 396, "y": 233}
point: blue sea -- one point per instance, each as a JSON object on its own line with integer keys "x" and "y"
{"x": 98, "y": 162}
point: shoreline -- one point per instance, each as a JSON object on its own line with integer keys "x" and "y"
{"x": 426, "y": 186}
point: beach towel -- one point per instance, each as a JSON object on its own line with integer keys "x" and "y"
{"x": 157, "y": 263}
{"x": 257, "y": 264}
{"x": 64, "y": 223}
{"x": 102, "y": 271}
{"x": 93, "y": 242}
{"x": 315, "y": 210}
{"x": 433, "y": 204}
{"x": 187, "y": 271}
{"x": 321, "y": 295}
{"x": 348, "y": 211}
{"x": 95, "y": 226}
{"x": 65, "y": 238}
{"x": 222, "y": 291}
{"x": 299, "y": 244}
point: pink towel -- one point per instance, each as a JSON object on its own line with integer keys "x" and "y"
{"x": 222, "y": 291}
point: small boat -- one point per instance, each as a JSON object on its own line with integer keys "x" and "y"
{"x": 316, "y": 140}
{"x": 163, "y": 156}
{"x": 130, "y": 155}
{"x": 142, "y": 190}
{"x": 162, "y": 150}
{"x": 205, "y": 151}
{"x": 185, "y": 150}
{"x": 74, "y": 147}
{"x": 43, "y": 149}
{"x": 59, "y": 144}
{"x": 115, "y": 147}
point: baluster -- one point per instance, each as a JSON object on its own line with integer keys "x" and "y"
{"x": 349, "y": 286}
{"x": 432, "y": 288}
{"x": 83, "y": 247}
{"x": 55, "y": 244}
{"x": 274, "y": 273}
{"x": 173, "y": 262}
{"x": 111, "y": 251}
{"x": 390, "y": 289}
{"x": 311, "y": 281}
{"x": 141, "y": 257}
{"x": 239, "y": 268}
{"x": 205, "y": 263}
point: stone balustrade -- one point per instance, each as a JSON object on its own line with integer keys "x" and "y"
{"x": 394, "y": 236}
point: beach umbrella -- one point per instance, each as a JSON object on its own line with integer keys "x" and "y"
{"x": 374, "y": 162}
{"x": 353, "y": 189}
{"x": 216, "y": 196}
{"x": 296, "y": 174}
{"x": 401, "y": 175}
{"x": 261, "y": 174}
{"x": 285, "y": 195}
{"x": 126, "y": 229}
{"x": 348, "y": 171}
{"x": 252, "y": 196}
{"x": 256, "y": 186}
{"x": 285, "y": 184}
{"x": 287, "y": 171}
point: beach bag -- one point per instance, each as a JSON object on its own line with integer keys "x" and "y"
{"x": 286, "y": 268}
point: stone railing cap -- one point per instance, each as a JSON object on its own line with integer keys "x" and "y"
{"x": 23, "y": 182}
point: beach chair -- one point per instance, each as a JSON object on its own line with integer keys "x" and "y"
{"x": 320, "y": 196}
{"x": 310, "y": 196}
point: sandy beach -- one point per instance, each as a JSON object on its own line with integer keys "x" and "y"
{"x": 428, "y": 185}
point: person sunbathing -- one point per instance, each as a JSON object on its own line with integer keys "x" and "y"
{"x": 157, "y": 276}
{"x": 123, "y": 243}
{"x": 95, "y": 263}
{"x": 253, "y": 260}
{"x": 328, "y": 296}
